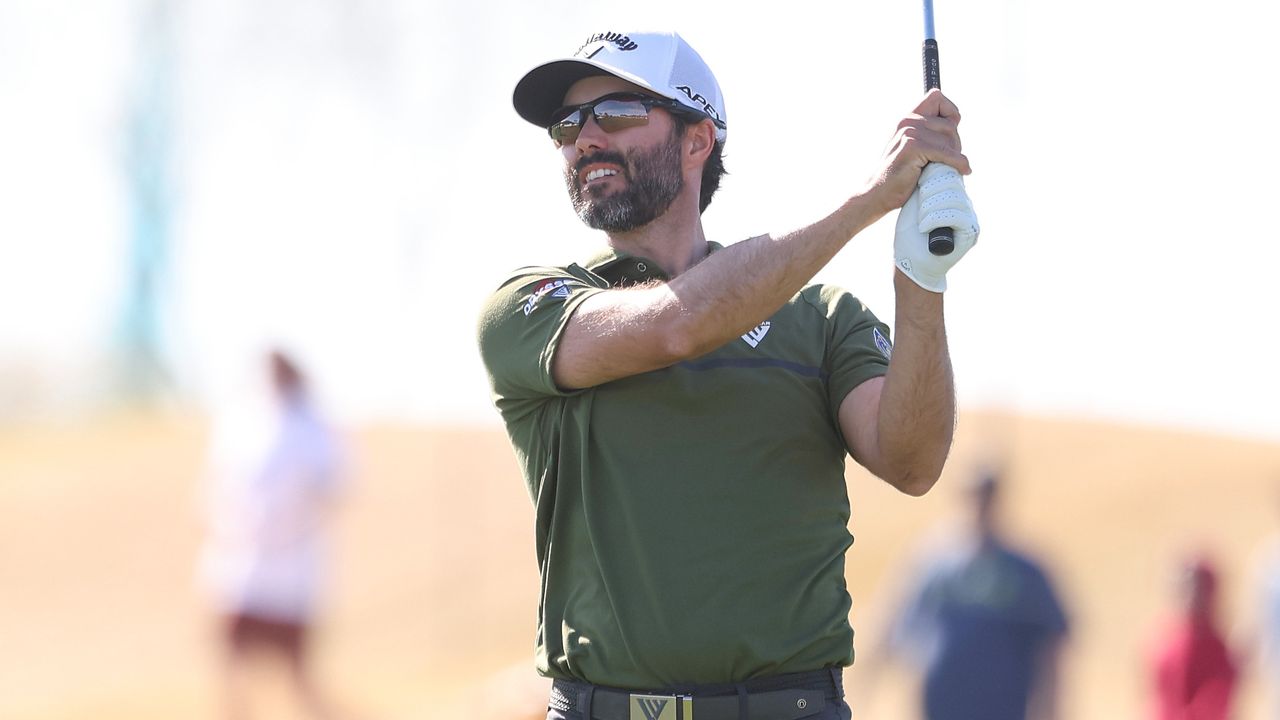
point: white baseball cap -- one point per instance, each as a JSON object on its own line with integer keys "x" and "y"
{"x": 661, "y": 62}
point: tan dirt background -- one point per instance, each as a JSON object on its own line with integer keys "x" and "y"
{"x": 431, "y": 613}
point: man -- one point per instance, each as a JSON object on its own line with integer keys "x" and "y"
{"x": 682, "y": 410}
{"x": 984, "y": 624}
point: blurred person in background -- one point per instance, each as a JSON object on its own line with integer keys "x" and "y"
{"x": 1192, "y": 671}
{"x": 981, "y": 623}
{"x": 274, "y": 471}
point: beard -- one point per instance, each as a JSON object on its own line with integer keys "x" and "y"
{"x": 653, "y": 181}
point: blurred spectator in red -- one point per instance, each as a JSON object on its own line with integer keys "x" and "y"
{"x": 1193, "y": 672}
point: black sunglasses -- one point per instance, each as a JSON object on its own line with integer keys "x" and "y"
{"x": 614, "y": 112}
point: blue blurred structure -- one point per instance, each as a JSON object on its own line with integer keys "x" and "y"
{"x": 148, "y": 172}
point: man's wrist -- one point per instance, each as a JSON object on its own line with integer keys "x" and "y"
{"x": 865, "y": 209}
{"x": 912, "y": 297}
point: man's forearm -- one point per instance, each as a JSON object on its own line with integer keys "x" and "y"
{"x": 622, "y": 333}
{"x": 732, "y": 291}
{"x": 917, "y": 410}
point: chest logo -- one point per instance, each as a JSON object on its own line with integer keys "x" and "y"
{"x": 754, "y": 337}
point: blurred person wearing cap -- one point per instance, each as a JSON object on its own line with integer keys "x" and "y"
{"x": 1193, "y": 672}
{"x": 981, "y": 621}
{"x": 275, "y": 469}
{"x": 682, "y": 409}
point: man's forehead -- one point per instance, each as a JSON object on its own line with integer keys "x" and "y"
{"x": 590, "y": 88}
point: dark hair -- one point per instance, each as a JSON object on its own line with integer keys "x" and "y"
{"x": 711, "y": 174}
{"x": 713, "y": 169}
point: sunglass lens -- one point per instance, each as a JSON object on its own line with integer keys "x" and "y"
{"x": 565, "y": 130}
{"x": 615, "y": 115}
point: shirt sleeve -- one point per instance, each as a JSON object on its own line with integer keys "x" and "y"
{"x": 521, "y": 325}
{"x": 858, "y": 346}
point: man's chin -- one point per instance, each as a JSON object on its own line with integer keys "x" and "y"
{"x": 610, "y": 219}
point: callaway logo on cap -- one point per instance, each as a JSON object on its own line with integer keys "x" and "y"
{"x": 661, "y": 62}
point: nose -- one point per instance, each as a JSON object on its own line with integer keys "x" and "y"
{"x": 591, "y": 137}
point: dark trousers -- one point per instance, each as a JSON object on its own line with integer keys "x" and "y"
{"x": 569, "y": 700}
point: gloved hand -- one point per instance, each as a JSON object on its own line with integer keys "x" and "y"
{"x": 939, "y": 201}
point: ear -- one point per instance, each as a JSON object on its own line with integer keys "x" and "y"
{"x": 699, "y": 140}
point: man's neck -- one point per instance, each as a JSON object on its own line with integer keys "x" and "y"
{"x": 674, "y": 240}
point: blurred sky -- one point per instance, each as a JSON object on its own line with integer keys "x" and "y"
{"x": 349, "y": 179}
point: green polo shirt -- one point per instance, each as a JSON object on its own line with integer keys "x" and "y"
{"x": 691, "y": 522}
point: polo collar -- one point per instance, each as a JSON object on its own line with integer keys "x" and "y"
{"x": 621, "y": 269}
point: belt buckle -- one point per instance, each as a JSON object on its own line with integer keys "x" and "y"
{"x": 660, "y": 707}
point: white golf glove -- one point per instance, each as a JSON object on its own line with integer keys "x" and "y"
{"x": 939, "y": 201}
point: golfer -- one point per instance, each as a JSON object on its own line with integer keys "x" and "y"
{"x": 682, "y": 410}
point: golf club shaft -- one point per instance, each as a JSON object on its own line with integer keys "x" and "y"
{"x": 941, "y": 240}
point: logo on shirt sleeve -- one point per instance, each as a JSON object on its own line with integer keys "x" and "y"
{"x": 554, "y": 288}
{"x": 882, "y": 343}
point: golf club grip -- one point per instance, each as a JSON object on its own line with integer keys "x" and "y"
{"x": 941, "y": 240}
{"x": 932, "y": 69}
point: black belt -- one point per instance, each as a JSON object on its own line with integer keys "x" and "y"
{"x": 783, "y": 697}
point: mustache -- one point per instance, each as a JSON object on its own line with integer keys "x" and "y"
{"x": 602, "y": 156}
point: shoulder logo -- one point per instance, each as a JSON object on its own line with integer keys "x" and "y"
{"x": 882, "y": 343}
{"x": 554, "y": 288}
{"x": 754, "y": 337}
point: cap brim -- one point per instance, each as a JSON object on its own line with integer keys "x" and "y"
{"x": 541, "y": 91}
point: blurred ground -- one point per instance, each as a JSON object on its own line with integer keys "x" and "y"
{"x": 435, "y": 587}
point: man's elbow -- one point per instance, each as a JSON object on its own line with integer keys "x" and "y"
{"x": 682, "y": 339}
{"x": 673, "y": 332}
{"x": 915, "y": 469}
{"x": 675, "y": 344}
{"x": 914, "y": 478}
{"x": 914, "y": 484}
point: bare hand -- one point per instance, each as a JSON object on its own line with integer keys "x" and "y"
{"x": 929, "y": 134}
